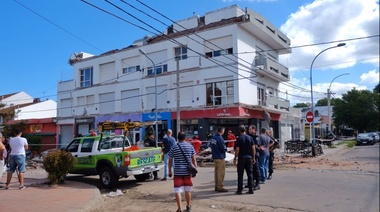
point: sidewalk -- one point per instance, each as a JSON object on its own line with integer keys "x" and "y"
{"x": 39, "y": 196}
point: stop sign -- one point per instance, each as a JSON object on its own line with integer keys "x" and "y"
{"x": 309, "y": 116}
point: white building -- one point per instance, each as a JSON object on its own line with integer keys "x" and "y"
{"x": 226, "y": 63}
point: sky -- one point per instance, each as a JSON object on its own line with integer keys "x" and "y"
{"x": 38, "y": 37}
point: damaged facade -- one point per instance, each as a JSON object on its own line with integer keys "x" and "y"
{"x": 225, "y": 62}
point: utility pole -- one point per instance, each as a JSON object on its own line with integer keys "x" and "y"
{"x": 178, "y": 99}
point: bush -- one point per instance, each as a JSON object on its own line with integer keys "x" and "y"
{"x": 57, "y": 164}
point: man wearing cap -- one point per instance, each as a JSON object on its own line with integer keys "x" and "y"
{"x": 218, "y": 150}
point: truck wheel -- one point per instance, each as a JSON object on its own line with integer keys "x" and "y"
{"x": 142, "y": 177}
{"x": 108, "y": 178}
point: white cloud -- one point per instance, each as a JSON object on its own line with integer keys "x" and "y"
{"x": 333, "y": 20}
{"x": 372, "y": 77}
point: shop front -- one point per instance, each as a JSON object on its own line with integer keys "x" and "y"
{"x": 83, "y": 126}
{"x": 164, "y": 123}
{"x": 206, "y": 121}
{"x": 134, "y": 135}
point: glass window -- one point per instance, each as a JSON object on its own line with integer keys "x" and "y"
{"x": 181, "y": 53}
{"x": 87, "y": 145}
{"x": 220, "y": 93}
{"x": 219, "y": 52}
{"x": 86, "y": 77}
{"x": 131, "y": 69}
{"x": 73, "y": 146}
{"x": 159, "y": 69}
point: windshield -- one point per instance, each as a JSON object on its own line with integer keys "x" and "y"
{"x": 113, "y": 142}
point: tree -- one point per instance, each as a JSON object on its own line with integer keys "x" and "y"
{"x": 300, "y": 105}
{"x": 324, "y": 102}
{"x": 358, "y": 110}
{"x": 377, "y": 89}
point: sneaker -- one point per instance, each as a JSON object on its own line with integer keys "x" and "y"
{"x": 249, "y": 192}
{"x": 262, "y": 182}
{"x": 256, "y": 187}
{"x": 238, "y": 192}
{"x": 6, "y": 187}
{"x": 188, "y": 208}
{"x": 269, "y": 177}
{"x": 222, "y": 190}
{"x": 163, "y": 179}
{"x": 22, "y": 187}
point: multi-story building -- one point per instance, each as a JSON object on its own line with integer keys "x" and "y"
{"x": 225, "y": 64}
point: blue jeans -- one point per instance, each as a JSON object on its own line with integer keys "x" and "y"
{"x": 166, "y": 168}
{"x": 263, "y": 165}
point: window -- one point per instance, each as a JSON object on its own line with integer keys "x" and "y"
{"x": 219, "y": 52}
{"x": 73, "y": 146}
{"x": 220, "y": 93}
{"x": 159, "y": 69}
{"x": 260, "y": 96}
{"x": 181, "y": 53}
{"x": 131, "y": 69}
{"x": 87, "y": 145}
{"x": 86, "y": 77}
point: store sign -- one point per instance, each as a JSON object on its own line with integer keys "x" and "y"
{"x": 84, "y": 120}
{"x": 223, "y": 114}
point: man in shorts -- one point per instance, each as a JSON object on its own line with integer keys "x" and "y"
{"x": 182, "y": 179}
{"x": 18, "y": 146}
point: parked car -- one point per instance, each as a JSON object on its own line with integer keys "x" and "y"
{"x": 375, "y": 136}
{"x": 365, "y": 138}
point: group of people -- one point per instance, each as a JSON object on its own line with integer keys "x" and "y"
{"x": 253, "y": 154}
{"x": 17, "y": 158}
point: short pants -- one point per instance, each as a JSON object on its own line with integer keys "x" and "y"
{"x": 17, "y": 161}
{"x": 182, "y": 183}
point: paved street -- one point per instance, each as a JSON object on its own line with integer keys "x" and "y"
{"x": 291, "y": 189}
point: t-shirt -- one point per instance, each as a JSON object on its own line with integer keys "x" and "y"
{"x": 196, "y": 144}
{"x": 180, "y": 165}
{"x": 168, "y": 142}
{"x": 218, "y": 147}
{"x": 17, "y": 145}
{"x": 245, "y": 143}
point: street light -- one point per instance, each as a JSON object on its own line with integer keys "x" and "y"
{"x": 328, "y": 100}
{"x": 155, "y": 93}
{"x": 311, "y": 88}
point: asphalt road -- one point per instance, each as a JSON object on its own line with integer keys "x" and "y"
{"x": 290, "y": 189}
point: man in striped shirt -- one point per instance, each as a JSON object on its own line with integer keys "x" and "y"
{"x": 182, "y": 178}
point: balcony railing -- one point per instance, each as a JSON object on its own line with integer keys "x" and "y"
{"x": 277, "y": 103}
{"x": 271, "y": 68}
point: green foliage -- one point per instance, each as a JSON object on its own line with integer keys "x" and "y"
{"x": 57, "y": 164}
{"x": 349, "y": 143}
{"x": 324, "y": 102}
{"x": 9, "y": 129}
{"x": 377, "y": 89}
{"x": 34, "y": 143}
{"x": 358, "y": 110}
{"x": 300, "y": 105}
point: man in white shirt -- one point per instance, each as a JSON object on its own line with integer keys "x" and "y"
{"x": 17, "y": 157}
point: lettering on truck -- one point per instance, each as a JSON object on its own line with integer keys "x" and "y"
{"x": 142, "y": 161}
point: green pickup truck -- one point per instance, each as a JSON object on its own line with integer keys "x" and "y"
{"x": 112, "y": 157}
